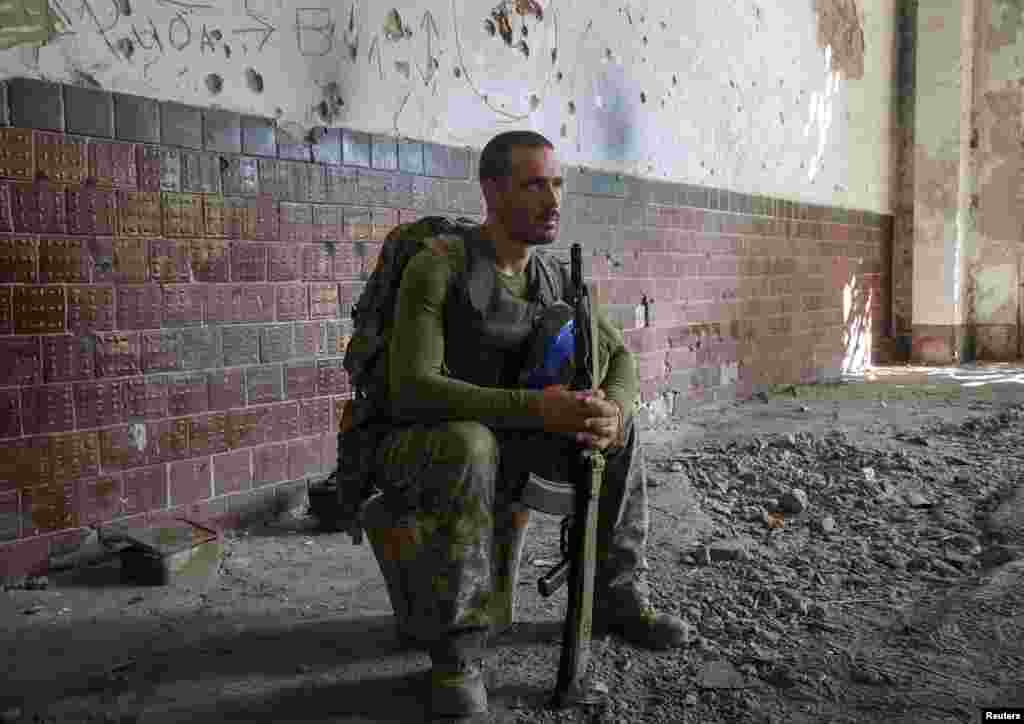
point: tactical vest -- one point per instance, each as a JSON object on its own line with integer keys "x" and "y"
{"x": 486, "y": 326}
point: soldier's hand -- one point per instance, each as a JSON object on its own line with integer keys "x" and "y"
{"x": 588, "y": 417}
{"x": 604, "y": 426}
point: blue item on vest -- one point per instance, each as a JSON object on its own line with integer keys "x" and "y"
{"x": 559, "y": 353}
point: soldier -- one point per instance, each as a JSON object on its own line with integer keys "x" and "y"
{"x": 468, "y": 433}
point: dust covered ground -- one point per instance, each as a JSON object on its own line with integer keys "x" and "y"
{"x": 849, "y": 552}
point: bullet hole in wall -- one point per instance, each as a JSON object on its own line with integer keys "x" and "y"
{"x": 565, "y": 131}
{"x": 124, "y": 7}
{"x": 675, "y": 81}
{"x": 664, "y": 25}
{"x": 216, "y": 35}
{"x": 608, "y": 54}
{"x": 490, "y": 27}
{"x": 458, "y": 72}
{"x": 254, "y": 80}
{"x": 214, "y": 83}
{"x": 227, "y": 51}
{"x": 559, "y": 76}
{"x": 524, "y": 48}
{"x": 525, "y": 30}
{"x": 645, "y": 40}
{"x": 126, "y": 48}
{"x": 404, "y": 69}
{"x": 643, "y": 97}
{"x": 554, "y": 56}
{"x": 534, "y": 101}
{"x": 572, "y": 108}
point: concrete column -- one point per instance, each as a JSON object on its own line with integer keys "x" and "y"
{"x": 943, "y": 177}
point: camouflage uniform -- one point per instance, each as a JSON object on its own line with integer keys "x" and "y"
{"x": 457, "y": 483}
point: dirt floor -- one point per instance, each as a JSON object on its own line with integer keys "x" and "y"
{"x": 842, "y": 553}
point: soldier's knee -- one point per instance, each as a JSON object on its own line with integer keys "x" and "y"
{"x": 473, "y": 444}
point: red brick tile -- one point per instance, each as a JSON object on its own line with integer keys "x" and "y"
{"x": 91, "y": 211}
{"x": 304, "y": 457}
{"x": 99, "y": 500}
{"x": 331, "y": 378}
{"x": 145, "y": 489}
{"x": 10, "y": 413}
{"x": 232, "y": 472}
{"x": 210, "y": 260}
{"x": 139, "y": 307}
{"x": 207, "y": 434}
{"x": 315, "y": 415}
{"x": 91, "y": 308}
{"x": 187, "y": 394}
{"x": 25, "y": 557}
{"x": 317, "y": 263}
{"x": 330, "y": 451}
{"x": 183, "y": 304}
{"x": 300, "y": 380}
{"x": 248, "y": 261}
{"x": 145, "y": 397}
{"x": 19, "y": 259}
{"x": 112, "y": 164}
{"x": 226, "y": 389}
{"x": 98, "y": 403}
{"x": 270, "y": 463}
{"x": 161, "y": 351}
{"x": 24, "y": 361}
{"x": 292, "y": 303}
{"x": 285, "y": 262}
{"x": 119, "y": 260}
{"x": 240, "y": 303}
{"x": 281, "y": 422}
{"x": 39, "y": 310}
{"x": 190, "y": 481}
{"x": 68, "y": 357}
{"x": 126, "y": 446}
{"x": 50, "y": 408}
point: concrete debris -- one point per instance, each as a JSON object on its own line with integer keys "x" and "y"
{"x": 794, "y": 501}
{"x": 720, "y": 674}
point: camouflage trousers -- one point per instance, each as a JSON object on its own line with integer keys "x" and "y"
{"x": 456, "y": 484}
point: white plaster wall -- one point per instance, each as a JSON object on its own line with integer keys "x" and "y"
{"x": 736, "y": 93}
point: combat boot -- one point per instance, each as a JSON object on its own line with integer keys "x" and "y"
{"x": 457, "y": 687}
{"x": 626, "y": 610}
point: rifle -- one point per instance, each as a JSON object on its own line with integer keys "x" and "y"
{"x": 579, "y": 529}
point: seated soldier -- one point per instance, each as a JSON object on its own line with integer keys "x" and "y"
{"x": 468, "y": 432}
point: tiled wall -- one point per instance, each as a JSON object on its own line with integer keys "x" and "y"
{"x": 175, "y": 289}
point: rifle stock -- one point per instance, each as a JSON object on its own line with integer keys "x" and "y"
{"x": 578, "y": 566}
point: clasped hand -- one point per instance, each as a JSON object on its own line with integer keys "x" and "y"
{"x": 586, "y": 416}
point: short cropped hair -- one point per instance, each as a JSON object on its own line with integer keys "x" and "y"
{"x": 495, "y": 159}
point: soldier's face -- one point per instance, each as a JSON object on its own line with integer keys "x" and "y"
{"x": 528, "y": 203}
